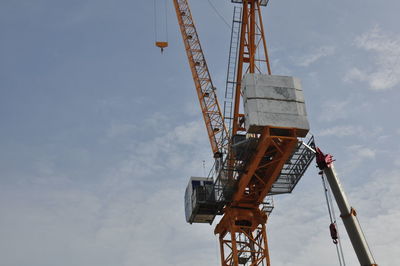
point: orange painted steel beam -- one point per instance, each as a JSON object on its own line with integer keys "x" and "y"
{"x": 263, "y": 144}
{"x": 243, "y": 238}
{"x": 205, "y": 89}
{"x": 257, "y": 178}
{"x": 252, "y": 38}
{"x": 272, "y": 173}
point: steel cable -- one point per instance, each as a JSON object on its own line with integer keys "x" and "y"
{"x": 219, "y": 14}
{"x": 332, "y": 216}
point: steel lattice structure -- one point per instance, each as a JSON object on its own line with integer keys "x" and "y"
{"x": 206, "y": 93}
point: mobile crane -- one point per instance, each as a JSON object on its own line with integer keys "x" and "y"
{"x": 258, "y": 153}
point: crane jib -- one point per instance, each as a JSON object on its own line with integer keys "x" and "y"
{"x": 206, "y": 93}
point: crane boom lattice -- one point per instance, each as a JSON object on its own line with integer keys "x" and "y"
{"x": 206, "y": 91}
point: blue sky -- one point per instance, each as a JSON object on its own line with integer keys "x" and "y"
{"x": 100, "y": 132}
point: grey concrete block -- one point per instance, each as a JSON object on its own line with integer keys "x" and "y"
{"x": 272, "y": 87}
{"x": 274, "y": 106}
{"x": 256, "y": 121}
{"x": 270, "y": 80}
{"x": 274, "y": 101}
{"x": 299, "y": 96}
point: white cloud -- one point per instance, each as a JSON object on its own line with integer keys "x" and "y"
{"x": 341, "y": 131}
{"x": 154, "y": 122}
{"x": 134, "y": 211}
{"x": 335, "y": 109}
{"x": 358, "y": 156}
{"x": 384, "y": 72}
{"x": 177, "y": 150}
{"x": 351, "y": 107}
{"x": 361, "y": 151}
{"x": 279, "y": 67}
{"x": 351, "y": 130}
{"x": 315, "y": 55}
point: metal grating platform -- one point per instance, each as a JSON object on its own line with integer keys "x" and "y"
{"x": 294, "y": 168}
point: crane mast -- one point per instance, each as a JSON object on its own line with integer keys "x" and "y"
{"x": 250, "y": 60}
{"x": 242, "y": 229}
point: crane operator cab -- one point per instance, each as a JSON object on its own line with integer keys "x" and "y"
{"x": 200, "y": 203}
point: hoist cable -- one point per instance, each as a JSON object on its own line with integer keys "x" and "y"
{"x": 326, "y": 197}
{"x": 166, "y": 19}
{"x": 332, "y": 216}
{"x": 155, "y": 20}
{"x": 219, "y": 14}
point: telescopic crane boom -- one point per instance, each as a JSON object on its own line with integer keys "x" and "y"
{"x": 347, "y": 213}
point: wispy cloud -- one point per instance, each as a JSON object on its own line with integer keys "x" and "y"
{"x": 341, "y": 131}
{"x": 359, "y": 155}
{"x": 361, "y": 151}
{"x": 343, "y": 108}
{"x": 315, "y": 55}
{"x": 134, "y": 208}
{"x": 350, "y": 130}
{"x": 384, "y": 72}
{"x": 333, "y": 110}
{"x": 162, "y": 153}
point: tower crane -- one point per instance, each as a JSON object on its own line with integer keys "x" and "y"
{"x": 257, "y": 140}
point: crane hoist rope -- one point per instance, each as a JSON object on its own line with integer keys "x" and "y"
{"x": 163, "y": 43}
{"x": 219, "y": 14}
{"x": 333, "y": 225}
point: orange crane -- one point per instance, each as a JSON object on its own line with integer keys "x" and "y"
{"x": 251, "y": 163}
{"x": 258, "y": 153}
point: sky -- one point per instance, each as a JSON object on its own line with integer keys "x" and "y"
{"x": 100, "y": 132}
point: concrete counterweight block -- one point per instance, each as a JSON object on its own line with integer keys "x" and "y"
{"x": 274, "y": 101}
